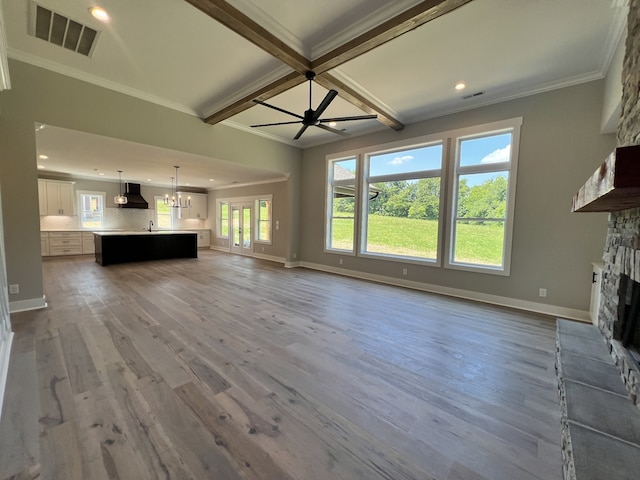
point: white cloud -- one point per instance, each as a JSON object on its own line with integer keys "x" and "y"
{"x": 500, "y": 155}
{"x": 401, "y": 160}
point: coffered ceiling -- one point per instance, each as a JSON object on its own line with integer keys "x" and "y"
{"x": 207, "y": 57}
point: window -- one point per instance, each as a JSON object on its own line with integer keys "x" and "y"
{"x": 263, "y": 219}
{"x": 341, "y": 201}
{"x": 483, "y": 200}
{"x": 443, "y": 200}
{"x": 402, "y": 213}
{"x": 222, "y": 219}
{"x": 91, "y": 210}
{"x": 164, "y": 214}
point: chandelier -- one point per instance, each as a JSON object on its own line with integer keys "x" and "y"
{"x": 120, "y": 199}
{"x": 175, "y": 198}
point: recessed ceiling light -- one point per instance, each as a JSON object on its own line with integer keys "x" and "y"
{"x": 149, "y": 180}
{"x": 99, "y": 13}
{"x": 43, "y": 157}
{"x": 187, "y": 184}
{"x": 332, "y": 124}
{"x": 461, "y": 86}
{"x": 211, "y": 180}
{"x": 101, "y": 174}
{"x": 41, "y": 167}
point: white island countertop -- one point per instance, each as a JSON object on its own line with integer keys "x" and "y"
{"x": 144, "y": 232}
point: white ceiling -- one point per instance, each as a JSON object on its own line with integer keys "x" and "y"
{"x": 168, "y": 52}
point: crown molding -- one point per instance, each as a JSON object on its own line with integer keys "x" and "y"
{"x": 99, "y": 81}
{"x": 617, "y": 31}
{"x": 5, "y": 81}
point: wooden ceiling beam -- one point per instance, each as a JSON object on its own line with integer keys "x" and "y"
{"x": 356, "y": 98}
{"x": 277, "y": 87}
{"x": 406, "y": 21}
{"x": 238, "y": 22}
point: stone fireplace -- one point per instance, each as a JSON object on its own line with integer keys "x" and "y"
{"x": 615, "y": 188}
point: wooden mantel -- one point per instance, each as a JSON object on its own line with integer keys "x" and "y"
{"x": 614, "y": 186}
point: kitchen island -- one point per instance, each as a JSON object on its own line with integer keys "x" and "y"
{"x": 138, "y": 246}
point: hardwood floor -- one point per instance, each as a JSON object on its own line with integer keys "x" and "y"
{"x": 227, "y": 367}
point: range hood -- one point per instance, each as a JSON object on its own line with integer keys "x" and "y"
{"x": 134, "y": 199}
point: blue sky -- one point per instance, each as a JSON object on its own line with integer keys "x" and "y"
{"x": 474, "y": 151}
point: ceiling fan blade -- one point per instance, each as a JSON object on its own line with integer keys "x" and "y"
{"x": 348, "y": 119}
{"x": 325, "y": 103}
{"x": 272, "y": 124}
{"x": 300, "y": 132}
{"x": 278, "y": 109}
{"x": 333, "y": 130}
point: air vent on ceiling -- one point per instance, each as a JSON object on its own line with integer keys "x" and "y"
{"x": 477, "y": 94}
{"x": 60, "y": 30}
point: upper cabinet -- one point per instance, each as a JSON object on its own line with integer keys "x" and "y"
{"x": 198, "y": 206}
{"x": 55, "y": 197}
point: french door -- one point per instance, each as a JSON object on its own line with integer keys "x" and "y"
{"x": 241, "y": 235}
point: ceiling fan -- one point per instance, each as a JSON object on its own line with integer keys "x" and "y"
{"x": 311, "y": 117}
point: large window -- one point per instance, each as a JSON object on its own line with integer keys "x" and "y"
{"x": 341, "y": 201}
{"x": 443, "y": 200}
{"x": 164, "y": 214}
{"x": 91, "y": 210}
{"x": 263, "y": 219}
{"x": 402, "y": 199}
{"x": 483, "y": 200}
{"x": 222, "y": 219}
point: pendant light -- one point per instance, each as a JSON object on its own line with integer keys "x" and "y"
{"x": 175, "y": 200}
{"x": 120, "y": 199}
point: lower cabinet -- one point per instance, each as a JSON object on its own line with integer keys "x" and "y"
{"x": 44, "y": 244}
{"x": 65, "y": 243}
{"x": 204, "y": 238}
{"x": 88, "y": 245}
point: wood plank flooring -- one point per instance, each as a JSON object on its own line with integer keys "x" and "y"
{"x": 227, "y": 367}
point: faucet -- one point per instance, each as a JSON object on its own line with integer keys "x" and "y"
{"x": 150, "y": 224}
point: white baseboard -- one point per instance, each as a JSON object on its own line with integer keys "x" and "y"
{"x": 293, "y": 264}
{"x": 271, "y": 258}
{"x": 31, "y": 304}
{"x": 219, "y": 249}
{"x": 5, "y": 353}
{"x": 552, "y": 310}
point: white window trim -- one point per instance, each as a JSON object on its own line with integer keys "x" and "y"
{"x": 418, "y": 142}
{"x": 256, "y": 215}
{"x": 328, "y": 186}
{"x": 157, "y": 198}
{"x": 218, "y": 217}
{"x": 514, "y": 125}
{"x": 79, "y": 194}
{"x": 448, "y": 174}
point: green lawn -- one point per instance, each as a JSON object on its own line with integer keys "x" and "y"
{"x": 477, "y": 244}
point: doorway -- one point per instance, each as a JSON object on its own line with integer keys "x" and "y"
{"x": 241, "y": 221}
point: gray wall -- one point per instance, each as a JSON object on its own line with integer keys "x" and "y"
{"x": 560, "y": 147}
{"x": 39, "y": 95}
{"x": 281, "y": 211}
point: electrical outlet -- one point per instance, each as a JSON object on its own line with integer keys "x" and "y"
{"x": 542, "y": 292}
{"x": 404, "y": 271}
{"x": 340, "y": 261}
{"x": 14, "y": 289}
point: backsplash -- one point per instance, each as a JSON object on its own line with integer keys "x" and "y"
{"x": 118, "y": 219}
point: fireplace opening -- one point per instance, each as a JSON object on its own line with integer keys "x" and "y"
{"x": 627, "y": 330}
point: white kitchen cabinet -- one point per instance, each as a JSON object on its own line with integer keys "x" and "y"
{"x": 204, "y": 238}
{"x": 55, "y": 198}
{"x": 198, "y": 205}
{"x": 65, "y": 243}
{"x": 88, "y": 244}
{"x": 44, "y": 244}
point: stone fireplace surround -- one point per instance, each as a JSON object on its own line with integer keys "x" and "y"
{"x": 601, "y": 427}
